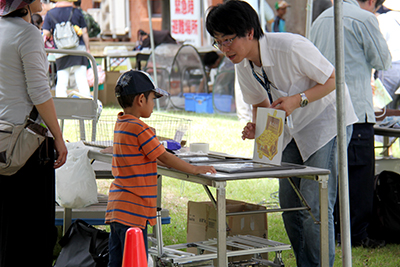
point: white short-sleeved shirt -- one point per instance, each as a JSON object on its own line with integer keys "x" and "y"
{"x": 293, "y": 64}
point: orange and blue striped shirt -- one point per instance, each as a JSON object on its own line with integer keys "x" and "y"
{"x": 133, "y": 193}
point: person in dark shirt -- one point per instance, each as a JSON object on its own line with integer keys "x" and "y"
{"x": 279, "y": 24}
{"x": 67, "y": 64}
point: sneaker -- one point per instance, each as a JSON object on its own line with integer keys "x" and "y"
{"x": 370, "y": 243}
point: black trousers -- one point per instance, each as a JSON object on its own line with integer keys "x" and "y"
{"x": 361, "y": 165}
{"x": 361, "y": 159}
{"x": 27, "y": 212}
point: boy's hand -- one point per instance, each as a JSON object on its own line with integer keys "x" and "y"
{"x": 204, "y": 170}
{"x": 171, "y": 161}
{"x": 249, "y": 131}
{"x": 107, "y": 150}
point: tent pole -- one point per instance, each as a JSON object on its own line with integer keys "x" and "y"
{"x": 153, "y": 56}
{"x": 309, "y": 10}
{"x": 342, "y": 139}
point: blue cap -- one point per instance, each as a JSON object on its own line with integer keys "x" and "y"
{"x": 135, "y": 82}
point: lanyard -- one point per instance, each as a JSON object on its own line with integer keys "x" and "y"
{"x": 267, "y": 86}
{"x": 266, "y": 83}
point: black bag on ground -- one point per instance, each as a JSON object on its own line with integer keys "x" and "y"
{"x": 83, "y": 245}
{"x": 385, "y": 224}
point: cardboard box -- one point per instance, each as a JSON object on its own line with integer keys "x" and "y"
{"x": 202, "y": 221}
{"x": 107, "y": 95}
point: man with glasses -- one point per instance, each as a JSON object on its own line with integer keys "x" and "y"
{"x": 364, "y": 49}
{"x": 287, "y": 72}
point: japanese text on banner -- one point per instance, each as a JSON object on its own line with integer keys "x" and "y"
{"x": 185, "y": 21}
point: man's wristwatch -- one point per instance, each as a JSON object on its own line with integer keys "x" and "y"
{"x": 304, "y": 100}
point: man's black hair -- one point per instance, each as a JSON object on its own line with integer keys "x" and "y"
{"x": 126, "y": 101}
{"x": 377, "y": 4}
{"x": 210, "y": 58}
{"x": 233, "y": 17}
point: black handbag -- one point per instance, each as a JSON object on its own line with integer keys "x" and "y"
{"x": 385, "y": 222}
{"x": 83, "y": 245}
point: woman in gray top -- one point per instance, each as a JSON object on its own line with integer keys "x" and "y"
{"x": 27, "y": 210}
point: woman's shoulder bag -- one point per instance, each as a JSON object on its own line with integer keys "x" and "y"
{"x": 19, "y": 142}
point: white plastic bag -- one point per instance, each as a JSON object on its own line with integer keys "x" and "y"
{"x": 76, "y": 181}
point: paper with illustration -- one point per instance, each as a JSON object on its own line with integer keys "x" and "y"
{"x": 269, "y": 136}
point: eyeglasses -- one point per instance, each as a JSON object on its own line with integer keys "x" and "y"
{"x": 226, "y": 43}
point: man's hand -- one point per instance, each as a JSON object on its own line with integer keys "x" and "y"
{"x": 287, "y": 103}
{"x": 249, "y": 131}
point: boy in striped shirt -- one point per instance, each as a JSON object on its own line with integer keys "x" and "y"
{"x": 136, "y": 150}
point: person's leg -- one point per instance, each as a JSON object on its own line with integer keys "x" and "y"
{"x": 48, "y": 210}
{"x": 62, "y": 82}
{"x": 19, "y": 222}
{"x": 81, "y": 80}
{"x": 146, "y": 243}
{"x": 326, "y": 158}
{"x": 300, "y": 226}
{"x": 336, "y": 212}
{"x": 361, "y": 160}
{"x": 288, "y": 198}
{"x": 116, "y": 244}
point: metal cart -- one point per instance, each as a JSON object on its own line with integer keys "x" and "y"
{"x": 69, "y": 108}
{"x": 179, "y": 70}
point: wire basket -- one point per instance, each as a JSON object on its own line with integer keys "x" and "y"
{"x": 166, "y": 127}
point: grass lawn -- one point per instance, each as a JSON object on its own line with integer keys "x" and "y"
{"x": 223, "y": 134}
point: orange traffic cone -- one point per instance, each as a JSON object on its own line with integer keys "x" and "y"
{"x": 134, "y": 251}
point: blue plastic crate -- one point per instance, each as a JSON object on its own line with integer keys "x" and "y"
{"x": 190, "y": 102}
{"x": 203, "y": 104}
{"x": 166, "y": 220}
